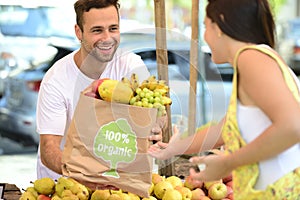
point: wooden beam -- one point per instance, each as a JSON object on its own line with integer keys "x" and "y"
{"x": 166, "y": 167}
{"x": 193, "y": 67}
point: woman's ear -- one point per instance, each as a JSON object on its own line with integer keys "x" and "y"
{"x": 78, "y": 32}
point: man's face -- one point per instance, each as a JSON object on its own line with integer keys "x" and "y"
{"x": 101, "y": 34}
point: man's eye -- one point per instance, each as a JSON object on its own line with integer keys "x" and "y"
{"x": 114, "y": 28}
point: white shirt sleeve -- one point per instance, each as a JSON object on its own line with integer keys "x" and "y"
{"x": 51, "y": 112}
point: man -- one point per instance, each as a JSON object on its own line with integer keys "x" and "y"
{"x": 97, "y": 28}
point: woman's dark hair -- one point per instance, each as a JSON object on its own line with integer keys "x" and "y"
{"x": 244, "y": 20}
{"x": 82, "y": 6}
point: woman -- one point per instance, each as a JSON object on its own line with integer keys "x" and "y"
{"x": 261, "y": 130}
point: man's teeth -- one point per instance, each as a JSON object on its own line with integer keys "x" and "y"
{"x": 104, "y": 48}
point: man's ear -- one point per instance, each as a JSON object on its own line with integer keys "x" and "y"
{"x": 78, "y": 32}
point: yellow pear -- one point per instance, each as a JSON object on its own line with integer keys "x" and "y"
{"x": 185, "y": 192}
{"x": 161, "y": 187}
{"x": 100, "y": 195}
{"x": 175, "y": 181}
{"x": 44, "y": 185}
{"x": 27, "y": 196}
{"x": 172, "y": 194}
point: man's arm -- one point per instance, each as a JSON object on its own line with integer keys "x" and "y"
{"x": 51, "y": 154}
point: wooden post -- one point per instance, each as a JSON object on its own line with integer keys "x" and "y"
{"x": 193, "y": 67}
{"x": 166, "y": 167}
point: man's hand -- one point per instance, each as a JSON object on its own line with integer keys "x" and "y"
{"x": 156, "y": 131}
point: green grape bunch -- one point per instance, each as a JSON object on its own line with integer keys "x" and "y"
{"x": 152, "y": 93}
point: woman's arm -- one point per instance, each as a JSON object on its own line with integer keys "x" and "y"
{"x": 204, "y": 139}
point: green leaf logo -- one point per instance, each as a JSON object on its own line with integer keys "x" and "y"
{"x": 115, "y": 142}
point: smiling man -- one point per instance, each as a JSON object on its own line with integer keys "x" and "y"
{"x": 97, "y": 29}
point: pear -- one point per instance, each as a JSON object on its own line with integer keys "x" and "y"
{"x": 125, "y": 196}
{"x": 100, "y": 195}
{"x": 44, "y": 185}
{"x": 161, "y": 187}
{"x": 175, "y": 181}
{"x": 114, "y": 197}
{"x": 33, "y": 191}
{"x": 133, "y": 196}
{"x": 27, "y": 196}
{"x": 172, "y": 194}
{"x": 150, "y": 190}
{"x": 149, "y": 198}
{"x": 55, "y": 197}
{"x": 66, "y": 193}
{"x": 185, "y": 192}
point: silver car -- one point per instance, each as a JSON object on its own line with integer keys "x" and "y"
{"x": 18, "y": 106}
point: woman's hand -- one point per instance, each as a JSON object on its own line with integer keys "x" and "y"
{"x": 159, "y": 151}
{"x": 216, "y": 167}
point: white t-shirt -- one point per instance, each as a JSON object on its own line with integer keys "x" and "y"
{"x": 60, "y": 91}
{"x": 252, "y": 122}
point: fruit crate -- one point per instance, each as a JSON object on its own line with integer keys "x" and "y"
{"x": 11, "y": 192}
{"x": 182, "y": 166}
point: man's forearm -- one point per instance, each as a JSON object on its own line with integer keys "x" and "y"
{"x": 52, "y": 160}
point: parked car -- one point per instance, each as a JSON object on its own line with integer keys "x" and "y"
{"x": 26, "y": 27}
{"x": 26, "y": 30}
{"x": 289, "y": 43}
{"x": 18, "y": 105}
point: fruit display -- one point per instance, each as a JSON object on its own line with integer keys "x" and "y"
{"x": 162, "y": 188}
{"x": 150, "y": 93}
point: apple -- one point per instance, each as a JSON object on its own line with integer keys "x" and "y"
{"x": 207, "y": 184}
{"x": 227, "y": 178}
{"x": 197, "y": 194}
{"x": 43, "y": 197}
{"x": 204, "y": 198}
{"x": 229, "y": 190}
{"x": 230, "y": 184}
{"x": 191, "y": 183}
{"x": 217, "y": 191}
{"x": 156, "y": 178}
{"x": 230, "y": 196}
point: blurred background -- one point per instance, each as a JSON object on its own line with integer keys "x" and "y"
{"x": 36, "y": 33}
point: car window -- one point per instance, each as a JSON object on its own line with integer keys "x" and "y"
{"x": 36, "y": 21}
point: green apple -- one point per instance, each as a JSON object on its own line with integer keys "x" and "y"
{"x": 217, "y": 191}
{"x": 207, "y": 184}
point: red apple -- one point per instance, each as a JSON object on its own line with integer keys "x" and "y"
{"x": 229, "y": 190}
{"x": 227, "y": 178}
{"x": 43, "y": 197}
{"x": 197, "y": 194}
{"x": 230, "y": 184}
{"x": 96, "y": 84}
{"x": 230, "y": 196}
{"x": 191, "y": 183}
{"x": 217, "y": 191}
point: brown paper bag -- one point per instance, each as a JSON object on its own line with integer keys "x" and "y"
{"x": 107, "y": 144}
